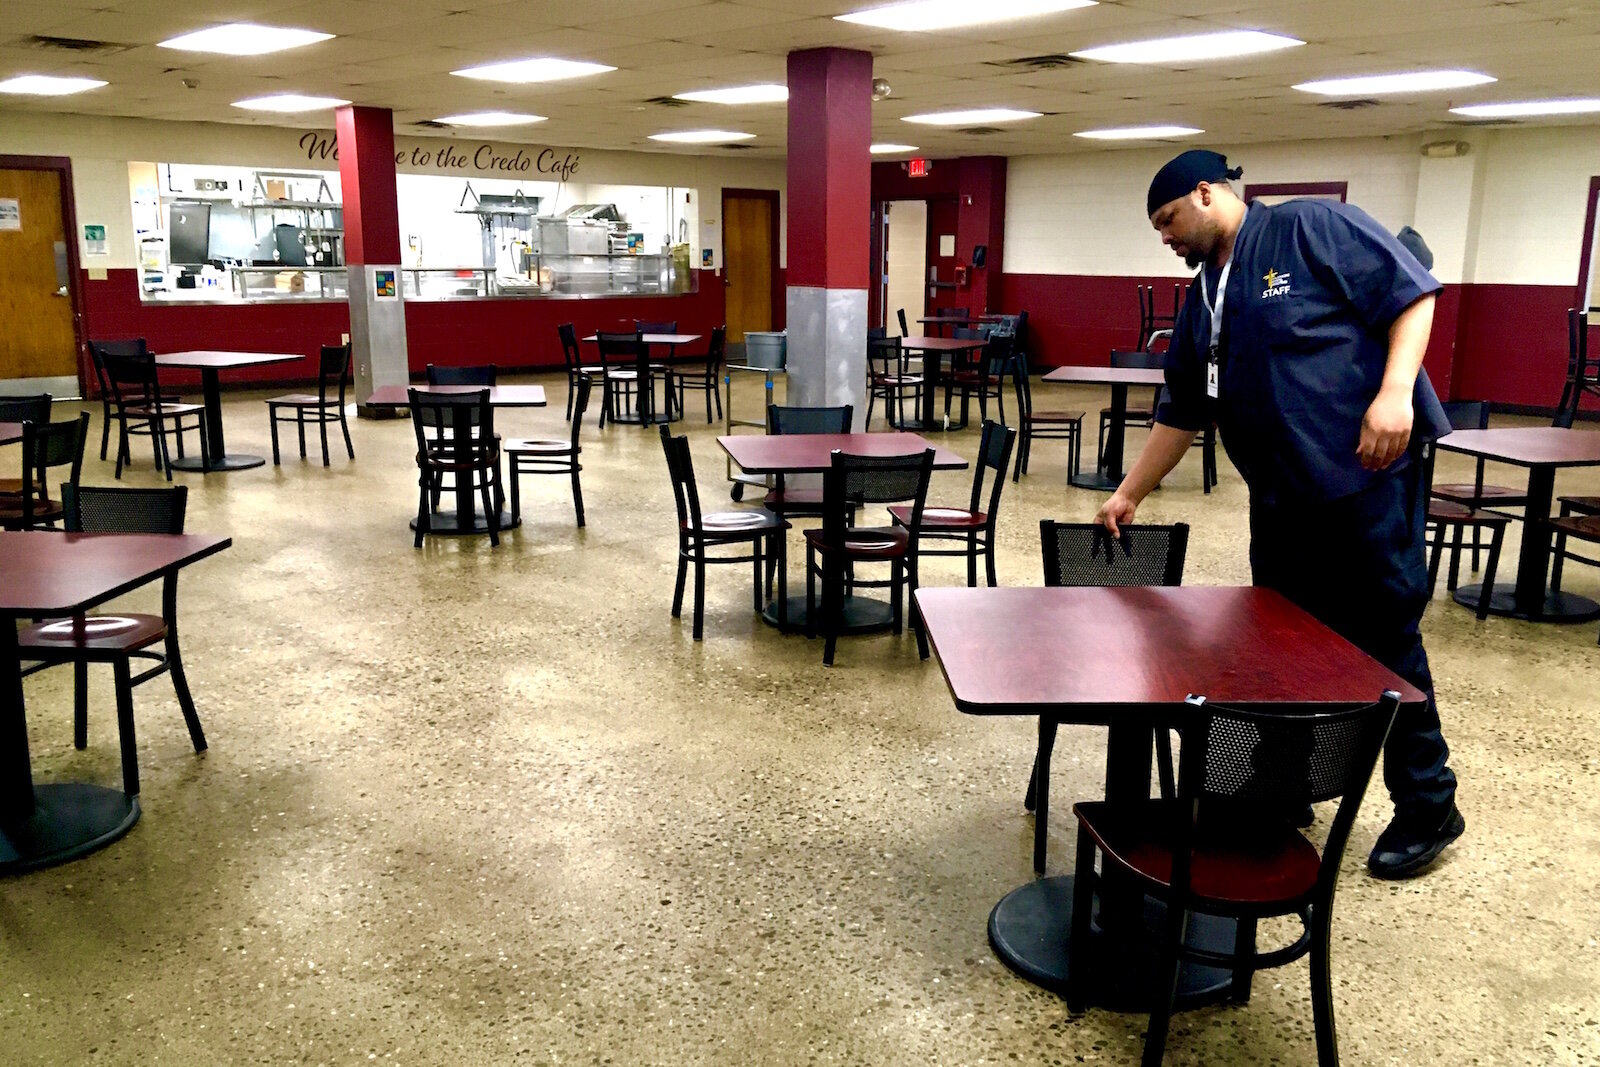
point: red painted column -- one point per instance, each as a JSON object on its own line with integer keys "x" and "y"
{"x": 372, "y": 248}
{"x": 829, "y": 219}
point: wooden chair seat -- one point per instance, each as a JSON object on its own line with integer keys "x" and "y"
{"x": 864, "y": 542}
{"x": 897, "y": 380}
{"x": 167, "y": 410}
{"x": 946, "y": 518}
{"x": 1240, "y": 862}
{"x": 1589, "y": 505}
{"x": 111, "y": 636}
{"x": 1467, "y": 493}
{"x": 736, "y": 524}
{"x": 1451, "y": 512}
{"x": 1054, "y": 416}
{"x": 1583, "y": 527}
{"x": 44, "y": 511}
{"x": 301, "y": 400}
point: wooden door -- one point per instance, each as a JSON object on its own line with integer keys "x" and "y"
{"x": 906, "y": 266}
{"x": 39, "y": 339}
{"x": 944, "y": 257}
{"x": 749, "y": 259}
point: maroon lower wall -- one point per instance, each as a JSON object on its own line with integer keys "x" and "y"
{"x": 510, "y": 332}
{"x": 1502, "y": 343}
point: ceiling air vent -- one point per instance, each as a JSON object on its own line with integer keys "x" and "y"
{"x": 1050, "y": 61}
{"x": 666, "y": 101}
{"x": 76, "y": 45}
{"x": 1350, "y": 105}
{"x": 430, "y": 124}
{"x": 981, "y": 131}
{"x": 736, "y": 147}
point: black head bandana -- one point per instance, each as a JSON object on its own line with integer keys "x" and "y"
{"x": 1182, "y": 174}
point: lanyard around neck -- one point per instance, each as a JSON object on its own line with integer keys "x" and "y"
{"x": 1215, "y": 309}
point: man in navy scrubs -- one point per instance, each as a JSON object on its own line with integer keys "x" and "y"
{"x": 1302, "y": 338}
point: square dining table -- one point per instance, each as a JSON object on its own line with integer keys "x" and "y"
{"x": 466, "y": 519}
{"x": 1543, "y": 450}
{"x": 210, "y": 364}
{"x": 939, "y": 322}
{"x": 934, "y": 351}
{"x": 1108, "y": 472}
{"x": 10, "y": 432}
{"x": 671, "y": 341}
{"x": 1126, "y": 658}
{"x": 50, "y": 574}
{"x": 812, "y": 453}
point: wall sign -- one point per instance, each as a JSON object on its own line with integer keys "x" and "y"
{"x": 384, "y": 286}
{"x": 10, "y": 214}
{"x": 94, "y": 241}
{"x": 449, "y": 157}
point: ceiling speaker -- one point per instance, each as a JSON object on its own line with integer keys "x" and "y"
{"x": 1445, "y": 149}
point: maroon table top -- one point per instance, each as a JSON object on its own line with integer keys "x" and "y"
{"x": 942, "y": 344}
{"x": 810, "y": 453}
{"x": 1528, "y": 446}
{"x": 49, "y": 573}
{"x": 660, "y": 338}
{"x": 957, "y": 320}
{"x": 223, "y": 360}
{"x": 1108, "y": 375}
{"x": 10, "y": 431}
{"x": 500, "y": 396}
{"x": 1093, "y": 655}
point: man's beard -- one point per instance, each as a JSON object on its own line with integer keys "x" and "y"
{"x": 1194, "y": 259}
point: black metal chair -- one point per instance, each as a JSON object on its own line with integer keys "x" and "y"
{"x": 802, "y": 502}
{"x": 1150, "y": 320}
{"x": 982, "y": 377}
{"x": 455, "y": 436}
{"x": 140, "y": 408}
{"x": 1583, "y": 373}
{"x": 1044, "y": 425}
{"x": 480, "y": 375}
{"x": 1221, "y": 847}
{"x": 333, "y": 370}
{"x": 550, "y": 456}
{"x": 972, "y": 526}
{"x": 834, "y": 551}
{"x": 45, "y": 446}
{"x": 1471, "y": 496}
{"x": 572, "y": 360}
{"x": 698, "y": 532}
{"x": 1085, "y": 554}
{"x": 702, "y": 372}
{"x": 889, "y": 379}
{"x": 901, "y": 315}
{"x": 1135, "y": 415}
{"x": 109, "y": 412}
{"x": 1446, "y": 516}
{"x": 665, "y": 326}
{"x": 34, "y": 407}
{"x": 121, "y": 638}
{"x": 630, "y": 377}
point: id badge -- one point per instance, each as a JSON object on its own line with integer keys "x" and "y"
{"x": 1212, "y": 375}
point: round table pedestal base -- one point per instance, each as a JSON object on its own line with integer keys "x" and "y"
{"x": 447, "y": 524}
{"x": 69, "y": 820}
{"x": 861, "y": 615}
{"x": 1030, "y": 930}
{"x": 1556, "y": 607}
{"x": 228, "y": 461}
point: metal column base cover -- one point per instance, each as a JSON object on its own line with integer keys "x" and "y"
{"x": 377, "y": 333}
{"x": 827, "y": 351}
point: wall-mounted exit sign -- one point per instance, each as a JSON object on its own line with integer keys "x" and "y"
{"x": 918, "y": 168}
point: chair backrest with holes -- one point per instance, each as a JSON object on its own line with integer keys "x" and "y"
{"x": 1084, "y": 554}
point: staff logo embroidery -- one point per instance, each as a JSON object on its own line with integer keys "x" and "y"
{"x": 1277, "y": 284}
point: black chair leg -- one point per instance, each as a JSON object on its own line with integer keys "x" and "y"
{"x": 1244, "y": 947}
{"x": 344, "y": 424}
{"x": 105, "y": 431}
{"x": 180, "y": 686}
{"x": 699, "y": 590}
{"x": 300, "y": 428}
{"x": 1169, "y": 788}
{"x": 130, "y": 748}
{"x": 80, "y": 704}
{"x": 1041, "y": 791}
{"x": 1079, "y": 959}
{"x": 1435, "y": 556}
{"x": 577, "y": 495}
{"x": 1322, "y": 995}
{"x": 1452, "y": 579}
{"x": 322, "y": 425}
{"x": 516, "y": 492}
{"x": 677, "y": 589}
{"x": 1165, "y": 986}
{"x": 1487, "y": 591}
{"x": 272, "y": 424}
{"x": 422, "y": 509}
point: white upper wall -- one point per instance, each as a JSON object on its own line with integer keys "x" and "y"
{"x": 1512, "y": 212}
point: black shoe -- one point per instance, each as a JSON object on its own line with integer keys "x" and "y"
{"x": 1304, "y": 817}
{"x": 1406, "y": 845}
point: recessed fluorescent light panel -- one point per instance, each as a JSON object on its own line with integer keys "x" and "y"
{"x": 743, "y": 94}
{"x": 1417, "y": 81}
{"x": 244, "y": 39}
{"x": 976, "y": 117}
{"x": 701, "y": 137}
{"x": 892, "y": 149}
{"x": 290, "y": 102}
{"x": 1528, "y": 109}
{"x": 47, "y": 85}
{"x": 544, "y": 69}
{"x": 1136, "y": 133}
{"x": 926, "y": 15}
{"x": 490, "y": 118}
{"x": 1178, "y": 51}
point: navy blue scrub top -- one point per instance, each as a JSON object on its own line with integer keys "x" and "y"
{"x": 1314, "y": 288}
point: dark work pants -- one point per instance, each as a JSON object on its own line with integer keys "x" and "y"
{"x": 1358, "y": 565}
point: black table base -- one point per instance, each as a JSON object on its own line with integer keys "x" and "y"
{"x": 231, "y": 461}
{"x": 1030, "y": 930}
{"x": 861, "y": 615}
{"x": 1094, "y": 480}
{"x": 68, "y": 821}
{"x": 1556, "y": 607}
{"x": 448, "y": 524}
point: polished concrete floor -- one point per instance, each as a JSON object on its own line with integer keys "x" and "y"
{"x": 467, "y": 805}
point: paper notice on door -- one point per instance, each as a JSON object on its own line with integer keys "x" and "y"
{"x": 10, "y": 214}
